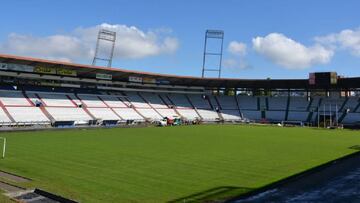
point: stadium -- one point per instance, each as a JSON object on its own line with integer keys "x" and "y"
{"x": 129, "y": 102}
{"x": 207, "y": 123}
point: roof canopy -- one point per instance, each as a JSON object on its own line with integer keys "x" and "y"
{"x": 118, "y": 74}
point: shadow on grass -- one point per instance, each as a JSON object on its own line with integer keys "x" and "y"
{"x": 213, "y": 195}
{"x": 355, "y": 147}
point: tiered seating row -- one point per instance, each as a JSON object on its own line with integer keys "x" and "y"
{"x": 139, "y": 106}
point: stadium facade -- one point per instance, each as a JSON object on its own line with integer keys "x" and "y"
{"x": 42, "y": 92}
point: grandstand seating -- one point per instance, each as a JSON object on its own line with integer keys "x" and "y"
{"x": 168, "y": 113}
{"x": 298, "y": 116}
{"x": 351, "y": 103}
{"x": 112, "y": 101}
{"x": 247, "y": 102}
{"x": 28, "y": 115}
{"x": 251, "y": 115}
{"x": 208, "y": 115}
{"x": 103, "y": 113}
{"x": 18, "y": 106}
{"x": 315, "y": 103}
{"x": 136, "y": 100}
{"x": 4, "y": 119}
{"x": 352, "y": 118}
{"x": 91, "y": 100}
{"x": 275, "y": 116}
{"x": 53, "y": 99}
{"x": 149, "y": 113}
{"x": 298, "y": 104}
{"x": 199, "y": 101}
{"x": 227, "y": 102}
{"x": 128, "y": 114}
{"x": 331, "y": 104}
{"x": 230, "y": 115}
{"x": 179, "y": 100}
{"x": 154, "y": 100}
{"x": 69, "y": 114}
{"x": 277, "y": 103}
{"x": 189, "y": 114}
{"x": 14, "y": 98}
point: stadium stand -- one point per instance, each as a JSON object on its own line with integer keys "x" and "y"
{"x": 69, "y": 114}
{"x": 150, "y": 113}
{"x": 248, "y": 102}
{"x": 277, "y": 103}
{"x": 199, "y": 101}
{"x": 83, "y": 97}
{"x": 128, "y": 114}
{"x": 103, "y": 114}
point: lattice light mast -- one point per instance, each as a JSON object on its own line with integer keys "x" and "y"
{"x": 105, "y": 36}
{"x": 217, "y": 35}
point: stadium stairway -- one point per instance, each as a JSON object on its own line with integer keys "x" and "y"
{"x": 287, "y": 109}
{"x": 7, "y": 112}
{"x": 149, "y": 104}
{"x": 343, "y": 104}
{"x": 110, "y": 108}
{"x": 84, "y": 107}
{"x": 357, "y": 107}
{"x": 187, "y": 97}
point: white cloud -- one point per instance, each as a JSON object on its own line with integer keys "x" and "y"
{"x": 131, "y": 43}
{"x": 237, "y": 48}
{"x": 346, "y": 39}
{"x": 291, "y": 54}
{"x": 236, "y": 64}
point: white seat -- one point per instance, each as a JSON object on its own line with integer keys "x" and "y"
{"x": 27, "y": 114}
{"x": 180, "y": 100}
{"x": 189, "y": 114}
{"x": 136, "y": 100}
{"x": 112, "y": 101}
{"x": 154, "y": 100}
{"x": 208, "y": 115}
{"x": 91, "y": 100}
{"x": 69, "y": 114}
{"x": 128, "y": 114}
{"x": 3, "y": 117}
{"x": 55, "y": 99}
{"x": 103, "y": 113}
{"x": 230, "y": 115}
{"x": 13, "y": 98}
{"x": 149, "y": 113}
{"x": 167, "y": 113}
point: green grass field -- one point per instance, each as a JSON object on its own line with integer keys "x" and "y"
{"x": 156, "y": 164}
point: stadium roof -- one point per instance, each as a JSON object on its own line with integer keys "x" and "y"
{"x": 119, "y": 74}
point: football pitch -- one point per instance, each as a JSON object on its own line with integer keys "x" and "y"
{"x": 154, "y": 164}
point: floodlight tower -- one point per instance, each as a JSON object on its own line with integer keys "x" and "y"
{"x": 106, "y": 36}
{"x": 217, "y": 35}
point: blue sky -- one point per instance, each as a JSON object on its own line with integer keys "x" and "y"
{"x": 277, "y": 39}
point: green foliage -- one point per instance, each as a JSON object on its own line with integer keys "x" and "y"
{"x": 171, "y": 163}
